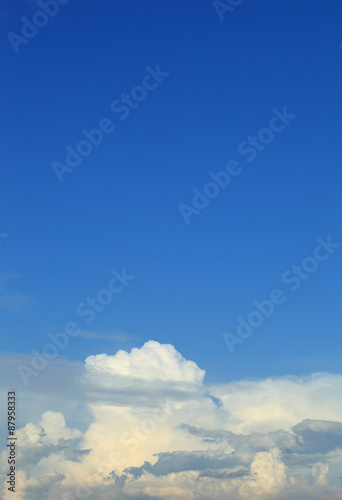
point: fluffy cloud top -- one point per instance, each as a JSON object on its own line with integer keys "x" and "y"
{"x": 152, "y": 362}
{"x": 50, "y": 430}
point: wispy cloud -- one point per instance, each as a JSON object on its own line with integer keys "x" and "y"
{"x": 119, "y": 337}
{"x": 12, "y": 299}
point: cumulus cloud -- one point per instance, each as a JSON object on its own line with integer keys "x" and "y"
{"x": 51, "y": 430}
{"x": 152, "y": 362}
{"x": 268, "y": 474}
{"x": 161, "y": 433}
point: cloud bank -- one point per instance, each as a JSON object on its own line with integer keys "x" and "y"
{"x": 159, "y": 432}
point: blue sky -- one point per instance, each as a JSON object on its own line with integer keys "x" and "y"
{"x": 171, "y": 248}
{"x": 119, "y": 207}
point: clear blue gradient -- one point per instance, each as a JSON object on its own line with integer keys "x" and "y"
{"x": 119, "y": 207}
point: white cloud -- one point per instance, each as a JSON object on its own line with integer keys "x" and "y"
{"x": 157, "y": 431}
{"x": 268, "y": 474}
{"x": 280, "y": 402}
{"x": 55, "y": 428}
{"x": 152, "y": 362}
{"x": 30, "y": 435}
